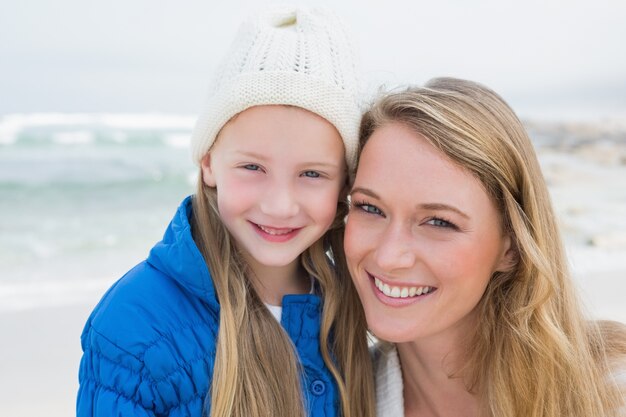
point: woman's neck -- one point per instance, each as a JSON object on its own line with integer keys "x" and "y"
{"x": 272, "y": 283}
{"x": 432, "y": 384}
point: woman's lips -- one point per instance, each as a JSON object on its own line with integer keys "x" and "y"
{"x": 399, "y": 295}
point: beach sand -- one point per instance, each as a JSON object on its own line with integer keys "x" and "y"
{"x": 39, "y": 357}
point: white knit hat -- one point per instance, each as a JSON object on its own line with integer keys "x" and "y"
{"x": 289, "y": 56}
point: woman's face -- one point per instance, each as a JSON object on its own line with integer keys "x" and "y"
{"x": 422, "y": 240}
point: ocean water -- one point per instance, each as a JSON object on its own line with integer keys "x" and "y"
{"x": 83, "y": 197}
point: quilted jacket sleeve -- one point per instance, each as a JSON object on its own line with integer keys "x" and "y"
{"x": 113, "y": 382}
{"x": 148, "y": 350}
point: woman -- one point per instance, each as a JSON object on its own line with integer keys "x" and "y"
{"x": 455, "y": 253}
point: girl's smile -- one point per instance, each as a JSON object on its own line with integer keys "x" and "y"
{"x": 274, "y": 234}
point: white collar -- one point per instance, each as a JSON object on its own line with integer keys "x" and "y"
{"x": 389, "y": 387}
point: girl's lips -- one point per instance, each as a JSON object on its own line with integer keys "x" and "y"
{"x": 400, "y": 295}
{"x": 275, "y": 234}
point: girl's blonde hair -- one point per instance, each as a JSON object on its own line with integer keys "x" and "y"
{"x": 256, "y": 371}
{"x": 533, "y": 353}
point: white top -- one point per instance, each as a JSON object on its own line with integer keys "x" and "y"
{"x": 277, "y": 311}
{"x": 390, "y": 390}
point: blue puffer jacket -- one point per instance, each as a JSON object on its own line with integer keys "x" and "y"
{"x": 149, "y": 345}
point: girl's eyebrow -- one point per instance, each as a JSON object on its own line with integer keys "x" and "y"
{"x": 250, "y": 154}
{"x": 320, "y": 164}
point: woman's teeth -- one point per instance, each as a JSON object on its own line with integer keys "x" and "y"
{"x": 401, "y": 292}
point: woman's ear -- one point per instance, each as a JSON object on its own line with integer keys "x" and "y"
{"x": 208, "y": 177}
{"x": 510, "y": 256}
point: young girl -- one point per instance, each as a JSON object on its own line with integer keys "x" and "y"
{"x": 225, "y": 317}
{"x": 456, "y": 255}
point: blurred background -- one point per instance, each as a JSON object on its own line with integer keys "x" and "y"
{"x": 97, "y": 101}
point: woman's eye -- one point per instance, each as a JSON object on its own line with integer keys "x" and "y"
{"x": 311, "y": 174}
{"x": 368, "y": 208}
{"x": 437, "y": 222}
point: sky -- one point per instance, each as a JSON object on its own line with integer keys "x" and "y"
{"x": 549, "y": 59}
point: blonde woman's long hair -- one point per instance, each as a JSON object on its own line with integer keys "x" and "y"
{"x": 533, "y": 353}
{"x": 256, "y": 372}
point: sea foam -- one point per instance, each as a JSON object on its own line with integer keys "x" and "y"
{"x": 13, "y": 125}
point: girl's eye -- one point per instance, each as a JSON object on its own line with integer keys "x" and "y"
{"x": 252, "y": 167}
{"x": 311, "y": 174}
{"x": 438, "y": 222}
{"x": 368, "y": 208}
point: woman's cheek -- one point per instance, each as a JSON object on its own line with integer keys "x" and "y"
{"x": 356, "y": 237}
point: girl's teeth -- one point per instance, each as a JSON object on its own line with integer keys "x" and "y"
{"x": 275, "y": 232}
{"x": 400, "y": 292}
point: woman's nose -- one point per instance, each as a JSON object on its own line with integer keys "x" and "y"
{"x": 396, "y": 249}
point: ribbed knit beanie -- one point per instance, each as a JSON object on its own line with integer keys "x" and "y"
{"x": 289, "y": 56}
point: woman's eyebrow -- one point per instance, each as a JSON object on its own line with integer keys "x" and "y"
{"x": 365, "y": 191}
{"x": 442, "y": 206}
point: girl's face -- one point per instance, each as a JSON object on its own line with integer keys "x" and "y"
{"x": 278, "y": 171}
{"x": 422, "y": 239}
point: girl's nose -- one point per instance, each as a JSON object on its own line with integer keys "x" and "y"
{"x": 280, "y": 201}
